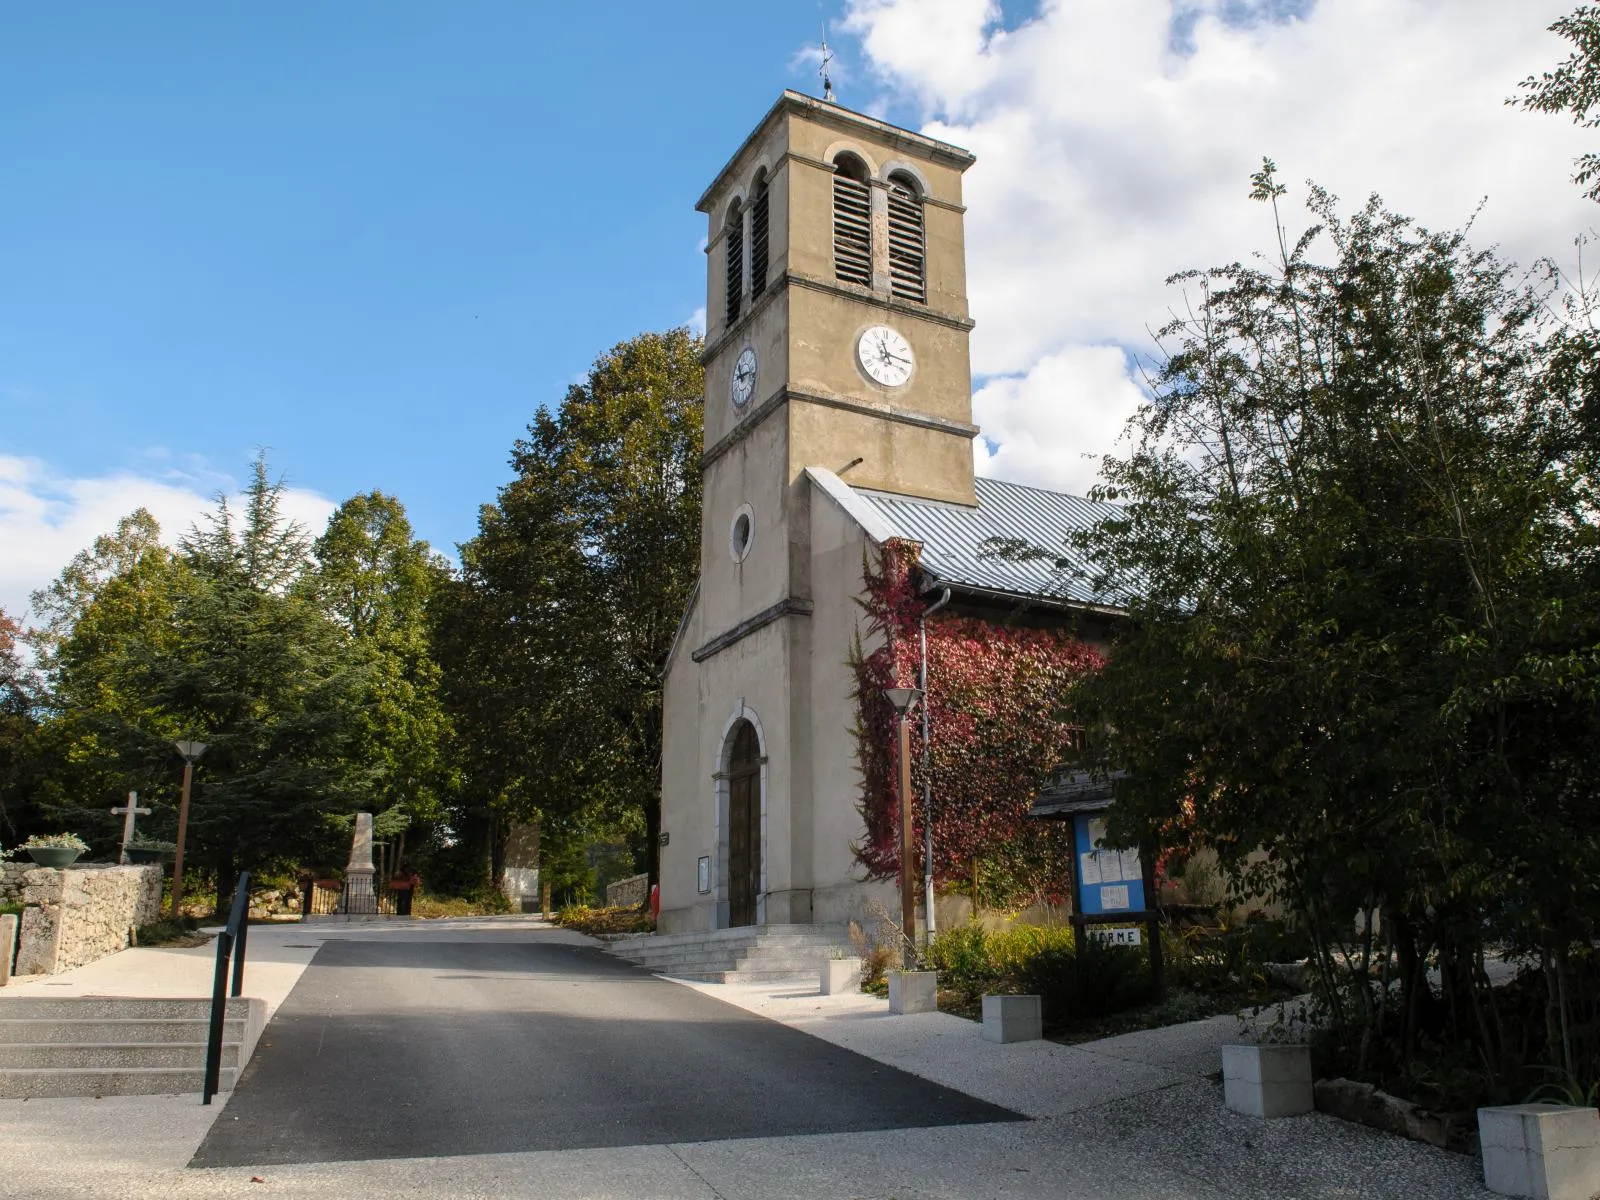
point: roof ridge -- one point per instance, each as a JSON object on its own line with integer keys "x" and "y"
{"x": 1034, "y": 487}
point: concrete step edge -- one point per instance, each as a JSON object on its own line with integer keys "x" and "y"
{"x": 112, "y": 1055}
{"x": 33, "y": 1008}
{"x": 102, "y": 1031}
{"x": 18, "y": 1083}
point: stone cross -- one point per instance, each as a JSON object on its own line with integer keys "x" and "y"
{"x": 127, "y": 814}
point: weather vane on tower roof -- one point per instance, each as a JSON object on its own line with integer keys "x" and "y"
{"x": 827, "y": 84}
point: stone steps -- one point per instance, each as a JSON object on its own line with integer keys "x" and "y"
{"x": 749, "y": 954}
{"x": 146, "y": 1007}
{"x": 42, "y": 1055}
{"x": 102, "y": 1030}
{"x": 25, "y": 1084}
{"x": 111, "y": 1046}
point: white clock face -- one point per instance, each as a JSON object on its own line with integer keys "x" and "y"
{"x": 744, "y": 377}
{"x": 885, "y": 356}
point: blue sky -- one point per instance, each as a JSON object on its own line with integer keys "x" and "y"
{"x": 375, "y": 237}
{"x": 372, "y": 237}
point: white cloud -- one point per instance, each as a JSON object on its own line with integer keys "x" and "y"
{"x": 1039, "y": 427}
{"x": 1115, "y": 141}
{"x": 697, "y": 321}
{"x": 46, "y": 517}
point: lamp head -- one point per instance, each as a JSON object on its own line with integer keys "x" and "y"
{"x": 904, "y": 699}
{"x": 189, "y": 751}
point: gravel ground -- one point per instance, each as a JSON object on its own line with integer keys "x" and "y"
{"x": 1128, "y": 1118}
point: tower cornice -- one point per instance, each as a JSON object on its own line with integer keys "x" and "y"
{"x": 825, "y": 112}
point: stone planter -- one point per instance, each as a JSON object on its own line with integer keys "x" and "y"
{"x": 1012, "y": 1019}
{"x": 53, "y": 856}
{"x": 840, "y": 975}
{"x": 913, "y": 992}
{"x": 1550, "y": 1151}
{"x": 1267, "y": 1081}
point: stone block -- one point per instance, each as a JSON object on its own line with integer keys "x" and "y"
{"x": 1012, "y": 1019}
{"x": 8, "y": 946}
{"x": 913, "y": 992}
{"x": 1267, "y": 1081}
{"x": 840, "y": 975}
{"x": 1551, "y": 1151}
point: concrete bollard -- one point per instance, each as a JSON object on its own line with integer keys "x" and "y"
{"x": 1267, "y": 1081}
{"x": 8, "y": 946}
{"x": 840, "y": 975}
{"x": 913, "y": 992}
{"x": 1548, "y": 1151}
{"x": 1012, "y": 1019}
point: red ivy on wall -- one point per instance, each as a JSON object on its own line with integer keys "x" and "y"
{"x": 994, "y": 704}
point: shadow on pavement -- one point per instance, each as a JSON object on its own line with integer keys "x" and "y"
{"x": 391, "y": 1050}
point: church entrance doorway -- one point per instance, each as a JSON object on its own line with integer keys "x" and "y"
{"x": 744, "y": 825}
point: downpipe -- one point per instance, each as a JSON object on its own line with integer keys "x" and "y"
{"x": 929, "y": 927}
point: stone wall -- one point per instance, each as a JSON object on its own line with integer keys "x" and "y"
{"x": 79, "y": 914}
{"x": 635, "y": 889}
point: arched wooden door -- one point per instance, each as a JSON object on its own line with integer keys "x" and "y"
{"x": 744, "y": 825}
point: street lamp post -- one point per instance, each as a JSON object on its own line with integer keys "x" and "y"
{"x": 189, "y": 752}
{"x": 904, "y": 700}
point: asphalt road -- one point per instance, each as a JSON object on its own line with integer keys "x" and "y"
{"x": 401, "y": 1049}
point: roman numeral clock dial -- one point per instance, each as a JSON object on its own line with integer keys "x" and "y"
{"x": 744, "y": 378}
{"x": 885, "y": 356}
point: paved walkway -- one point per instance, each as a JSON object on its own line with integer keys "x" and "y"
{"x": 402, "y": 1048}
{"x": 1122, "y": 1119}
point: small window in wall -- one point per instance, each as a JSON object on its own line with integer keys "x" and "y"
{"x": 907, "y": 244}
{"x": 758, "y": 238}
{"x": 733, "y": 240}
{"x": 741, "y": 533}
{"x": 852, "y": 221}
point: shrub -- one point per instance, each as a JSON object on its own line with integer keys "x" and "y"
{"x": 597, "y": 922}
{"x": 962, "y": 958}
{"x": 877, "y": 954}
{"x": 170, "y": 931}
{"x": 1214, "y": 959}
{"x": 1091, "y": 980}
{"x": 974, "y": 961}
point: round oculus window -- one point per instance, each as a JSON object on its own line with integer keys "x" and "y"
{"x": 741, "y": 533}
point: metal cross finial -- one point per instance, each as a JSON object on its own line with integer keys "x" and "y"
{"x": 827, "y": 84}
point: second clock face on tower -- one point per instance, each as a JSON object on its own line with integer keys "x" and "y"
{"x": 885, "y": 356}
{"x": 744, "y": 378}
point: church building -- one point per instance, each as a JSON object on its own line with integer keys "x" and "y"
{"x": 838, "y": 417}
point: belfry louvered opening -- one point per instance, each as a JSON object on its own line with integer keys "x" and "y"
{"x": 733, "y": 238}
{"x": 907, "y": 244}
{"x": 758, "y": 238}
{"x": 852, "y": 222}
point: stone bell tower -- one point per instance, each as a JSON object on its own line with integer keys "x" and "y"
{"x": 826, "y": 225}
{"x": 836, "y": 336}
{"x": 836, "y": 340}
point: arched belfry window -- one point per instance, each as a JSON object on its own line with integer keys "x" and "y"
{"x": 852, "y": 221}
{"x": 758, "y": 237}
{"x": 733, "y": 238}
{"x": 907, "y": 245}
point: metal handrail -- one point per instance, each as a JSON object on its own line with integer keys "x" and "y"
{"x": 233, "y": 935}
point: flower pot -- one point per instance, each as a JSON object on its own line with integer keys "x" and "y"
{"x": 913, "y": 992}
{"x": 53, "y": 856}
{"x": 1267, "y": 1081}
{"x": 145, "y": 854}
{"x": 840, "y": 975}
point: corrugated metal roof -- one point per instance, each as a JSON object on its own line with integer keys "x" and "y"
{"x": 962, "y": 547}
{"x": 1073, "y": 792}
